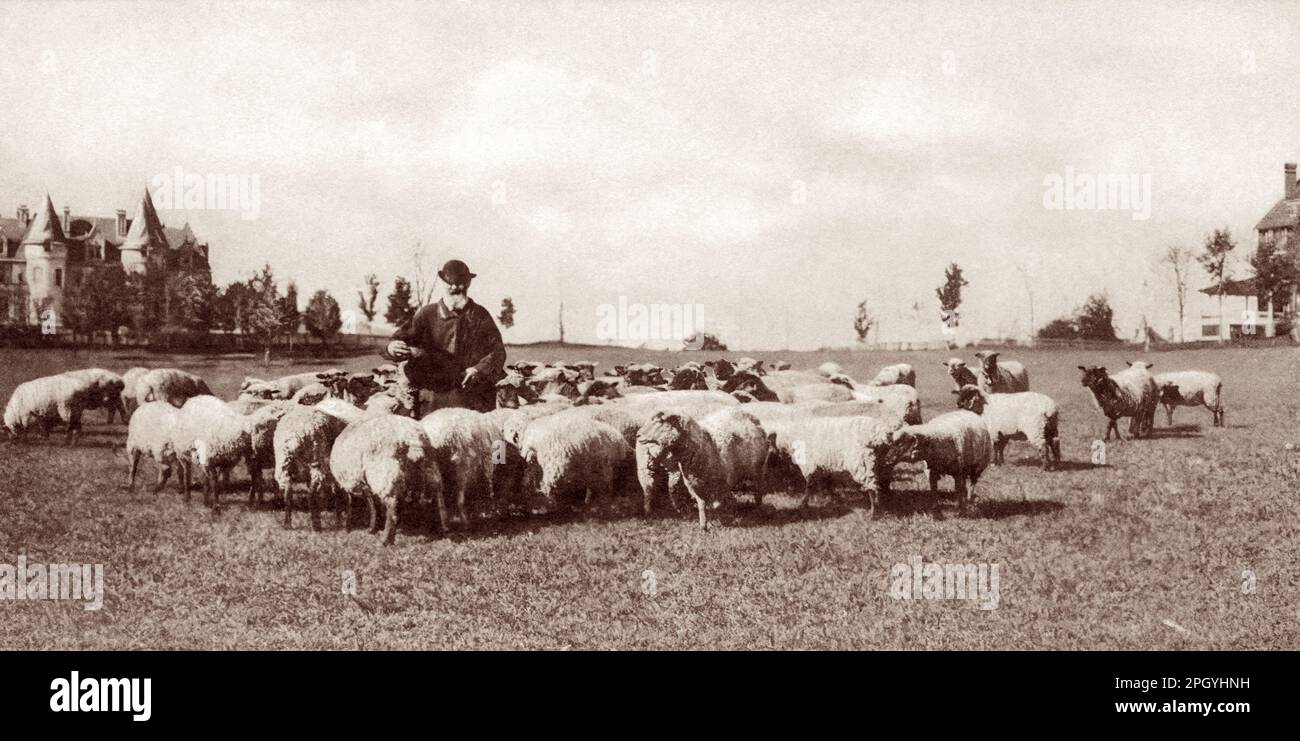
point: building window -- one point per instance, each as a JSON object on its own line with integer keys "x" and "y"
{"x": 58, "y": 277}
{"x": 1209, "y": 330}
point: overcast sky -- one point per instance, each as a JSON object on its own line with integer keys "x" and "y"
{"x": 774, "y": 162}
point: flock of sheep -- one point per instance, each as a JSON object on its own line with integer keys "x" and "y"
{"x": 561, "y": 436}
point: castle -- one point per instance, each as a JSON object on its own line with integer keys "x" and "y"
{"x": 41, "y": 254}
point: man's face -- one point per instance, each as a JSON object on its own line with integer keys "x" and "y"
{"x": 460, "y": 288}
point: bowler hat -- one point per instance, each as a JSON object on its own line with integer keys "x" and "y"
{"x": 455, "y": 271}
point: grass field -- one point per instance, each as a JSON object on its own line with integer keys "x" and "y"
{"x": 1089, "y": 556}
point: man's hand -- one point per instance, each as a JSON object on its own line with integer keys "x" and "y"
{"x": 470, "y": 374}
{"x": 399, "y": 350}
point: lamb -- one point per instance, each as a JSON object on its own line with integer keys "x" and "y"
{"x": 44, "y": 402}
{"x": 708, "y": 459}
{"x": 1130, "y": 393}
{"x": 890, "y": 375}
{"x": 1190, "y": 389}
{"x": 129, "y": 380}
{"x": 1001, "y": 377}
{"x": 385, "y": 459}
{"x": 171, "y": 385}
{"x": 463, "y": 443}
{"x": 959, "y": 373}
{"x": 281, "y": 388}
{"x": 1021, "y": 416}
{"x": 150, "y": 431}
{"x": 566, "y": 454}
{"x": 837, "y": 451}
{"x": 955, "y": 444}
{"x": 108, "y": 388}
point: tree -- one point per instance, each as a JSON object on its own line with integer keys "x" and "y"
{"x": 257, "y": 316}
{"x": 226, "y": 308}
{"x": 1214, "y": 261}
{"x": 1179, "y": 260}
{"x": 425, "y": 284}
{"x": 507, "y": 315}
{"x": 400, "y": 309}
{"x": 863, "y": 321}
{"x": 191, "y": 301}
{"x": 1059, "y": 329}
{"x": 950, "y": 294}
{"x": 1275, "y": 274}
{"x": 322, "y": 316}
{"x": 366, "y": 300}
{"x": 1094, "y": 320}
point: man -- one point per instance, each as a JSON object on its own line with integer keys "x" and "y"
{"x": 452, "y": 347}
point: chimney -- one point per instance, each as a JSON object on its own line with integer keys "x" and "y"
{"x": 1289, "y": 189}
{"x": 121, "y": 223}
{"x": 24, "y": 215}
{"x": 67, "y": 219}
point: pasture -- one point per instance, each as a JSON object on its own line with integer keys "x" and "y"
{"x": 1154, "y": 550}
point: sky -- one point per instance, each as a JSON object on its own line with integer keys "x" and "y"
{"x": 772, "y": 164}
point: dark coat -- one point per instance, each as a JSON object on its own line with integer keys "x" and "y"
{"x": 450, "y": 342}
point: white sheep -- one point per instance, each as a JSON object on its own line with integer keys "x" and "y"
{"x": 464, "y": 441}
{"x": 899, "y": 373}
{"x": 835, "y": 451}
{"x": 171, "y": 385}
{"x": 955, "y": 444}
{"x": 150, "y": 432}
{"x": 386, "y": 459}
{"x": 217, "y": 437}
{"x": 788, "y": 387}
{"x": 566, "y": 455}
{"x": 674, "y": 452}
{"x": 1130, "y": 393}
{"x": 1001, "y": 376}
{"x": 281, "y": 388}
{"x": 830, "y": 368}
{"x": 1191, "y": 388}
{"x": 900, "y": 401}
{"x": 1026, "y": 415}
{"x": 744, "y": 447}
{"x": 44, "y": 402}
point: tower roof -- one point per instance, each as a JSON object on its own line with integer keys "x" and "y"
{"x": 45, "y": 225}
{"x": 146, "y": 229}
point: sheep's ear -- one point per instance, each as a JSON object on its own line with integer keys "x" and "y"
{"x": 1082, "y": 368}
{"x": 1127, "y": 363}
{"x": 956, "y": 392}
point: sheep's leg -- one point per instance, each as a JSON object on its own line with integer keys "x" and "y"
{"x": 959, "y": 487}
{"x": 440, "y": 502}
{"x": 999, "y": 450}
{"x": 135, "y": 465}
{"x": 460, "y": 506}
{"x": 313, "y": 501}
{"x": 1169, "y": 415}
{"x": 287, "y": 499}
{"x": 254, "y": 487}
{"x": 183, "y": 480}
{"x": 164, "y": 472}
{"x": 1045, "y": 453}
{"x": 699, "y": 501}
{"x": 371, "y": 501}
{"x": 390, "y": 521}
{"x": 807, "y": 492}
{"x": 347, "y": 521}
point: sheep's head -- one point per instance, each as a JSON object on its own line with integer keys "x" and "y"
{"x": 988, "y": 360}
{"x": 749, "y": 382}
{"x": 689, "y": 376}
{"x": 513, "y": 390}
{"x": 744, "y": 396}
{"x": 780, "y": 365}
{"x": 662, "y": 437}
{"x": 524, "y": 368}
{"x": 971, "y": 398}
{"x": 1094, "y": 377}
{"x": 906, "y": 445}
{"x": 335, "y": 381}
{"x": 751, "y": 365}
{"x": 596, "y": 391}
{"x": 397, "y": 397}
{"x": 643, "y": 374}
{"x": 561, "y": 381}
{"x": 359, "y": 387}
{"x": 841, "y": 379}
{"x": 1140, "y": 365}
{"x": 586, "y": 369}
{"x": 721, "y": 368}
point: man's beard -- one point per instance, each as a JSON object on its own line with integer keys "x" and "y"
{"x": 457, "y": 300}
